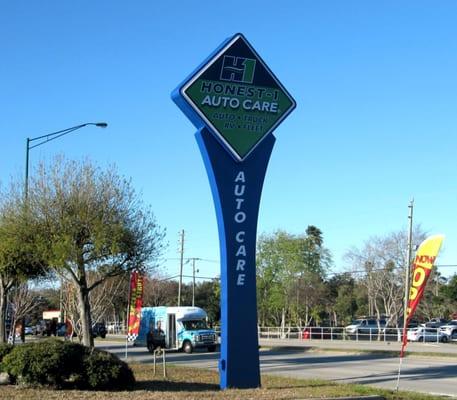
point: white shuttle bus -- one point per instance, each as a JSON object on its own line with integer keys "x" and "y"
{"x": 175, "y": 328}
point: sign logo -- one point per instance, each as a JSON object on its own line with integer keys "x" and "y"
{"x": 237, "y": 97}
{"x": 238, "y": 69}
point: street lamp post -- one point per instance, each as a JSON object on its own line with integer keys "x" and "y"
{"x": 42, "y": 140}
{"x": 47, "y": 138}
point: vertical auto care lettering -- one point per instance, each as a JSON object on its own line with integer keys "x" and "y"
{"x": 240, "y": 218}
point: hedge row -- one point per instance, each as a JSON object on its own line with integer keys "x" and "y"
{"x": 64, "y": 364}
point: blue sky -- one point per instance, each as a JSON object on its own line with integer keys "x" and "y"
{"x": 375, "y": 123}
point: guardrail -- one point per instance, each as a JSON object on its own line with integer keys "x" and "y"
{"x": 328, "y": 333}
{"x": 340, "y": 333}
{"x": 116, "y": 328}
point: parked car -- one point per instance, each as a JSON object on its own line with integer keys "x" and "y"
{"x": 29, "y": 330}
{"x": 423, "y": 334}
{"x": 365, "y": 326}
{"x": 435, "y": 323}
{"x": 450, "y": 329}
{"x": 99, "y": 329}
{"x": 61, "y": 329}
{"x": 40, "y": 328}
{"x": 398, "y": 330}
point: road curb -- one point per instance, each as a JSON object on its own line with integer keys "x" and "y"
{"x": 371, "y": 397}
{"x": 329, "y": 349}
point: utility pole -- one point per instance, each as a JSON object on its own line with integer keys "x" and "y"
{"x": 180, "y": 268}
{"x": 408, "y": 261}
{"x": 193, "y": 277}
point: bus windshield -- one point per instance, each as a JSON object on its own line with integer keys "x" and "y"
{"x": 193, "y": 325}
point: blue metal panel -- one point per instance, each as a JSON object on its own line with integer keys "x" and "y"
{"x": 236, "y": 189}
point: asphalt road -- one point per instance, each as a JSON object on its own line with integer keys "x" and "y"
{"x": 435, "y": 375}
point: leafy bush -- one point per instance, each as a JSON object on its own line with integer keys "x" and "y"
{"x": 5, "y": 349}
{"x": 65, "y": 364}
{"x": 103, "y": 370}
{"x": 48, "y": 362}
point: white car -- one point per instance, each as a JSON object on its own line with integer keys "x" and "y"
{"x": 422, "y": 334}
{"x": 450, "y": 329}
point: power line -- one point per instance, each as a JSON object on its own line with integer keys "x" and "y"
{"x": 184, "y": 276}
{"x": 191, "y": 258}
{"x": 362, "y": 271}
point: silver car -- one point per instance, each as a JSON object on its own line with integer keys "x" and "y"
{"x": 423, "y": 334}
{"x": 450, "y": 329}
{"x": 365, "y": 326}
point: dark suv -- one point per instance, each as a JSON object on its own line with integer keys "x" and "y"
{"x": 99, "y": 329}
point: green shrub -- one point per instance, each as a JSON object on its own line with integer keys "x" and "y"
{"x": 105, "y": 371}
{"x": 5, "y": 349}
{"x": 48, "y": 362}
{"x": 59, "y": 363}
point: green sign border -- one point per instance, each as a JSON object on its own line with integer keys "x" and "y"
{"x": 196, "y": 108}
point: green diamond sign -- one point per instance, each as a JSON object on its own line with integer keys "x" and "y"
{"x": 237, "y": 97}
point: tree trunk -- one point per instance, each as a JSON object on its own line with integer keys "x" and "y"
{"x": 12, "y": 336}
{"x": 86, "y": 319}
{"x": 3, "y": 303}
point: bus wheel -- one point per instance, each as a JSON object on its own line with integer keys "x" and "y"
{"x": 187, "y": 347}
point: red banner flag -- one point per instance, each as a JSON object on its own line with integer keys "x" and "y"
{"x": 135, "y": 303}
{"x": 422, "y": 267}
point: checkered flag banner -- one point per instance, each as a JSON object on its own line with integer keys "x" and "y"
{"x": 135, "y": 303}
{"x": 131, "y": 337}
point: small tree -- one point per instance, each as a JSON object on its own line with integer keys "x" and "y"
{"x": 92, "y": 221}
{"x": 381, "y": 263}
{"x": 342, "y": 300}
{"x": 290, "y": 273}
{"x": 19, "y": 255}
{"x": 159, "y": 291}
{"x": 24, "y": 302}
{"x": 106, "y": 296}
{"x": 108, "y": 299}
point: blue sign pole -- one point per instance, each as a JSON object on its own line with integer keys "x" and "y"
{"x": 236, "y": 189}
{"x": 236, "y": 102}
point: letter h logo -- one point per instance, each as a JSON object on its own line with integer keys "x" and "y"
{"x": 238, "y": 69}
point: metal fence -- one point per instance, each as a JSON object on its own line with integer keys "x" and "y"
{"x": 340, "y": 333}
{"x": 325, "y": 333}
{"x": 116, "y": 328}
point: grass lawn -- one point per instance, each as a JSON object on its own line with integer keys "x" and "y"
{"x": 193, "y": 383}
